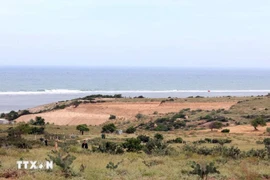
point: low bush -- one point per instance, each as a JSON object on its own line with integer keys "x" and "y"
{"x": 139, "y": 116}
{"x": 159, "y": 136}
{"x": 177, "y": 140}
{"x": 20, "y": 143}
{"x": 157, "y": 147}
{"x": 112, "y": 117}
{"x": 225, "y": 131}
{"x": 143, "y": 138}
{"x": 133, "y": 145}
{"x": 201, "y": 141}
{"x": 36, "y": 130}
{"x": 203, "y": 169}
{"x": 131, "y": 130}
{"x": 177, "y": 121}
{"x": 215, "y": 141}
{"x": 268, "y": 130}
{"x": 109, "y": 128}
{"x": 108, "y": 147}
{"x": 39, "y": 121}
{"x": 112, "y": 166}
{"x": 260, "y": 153}
{"x": 230, "y": 152}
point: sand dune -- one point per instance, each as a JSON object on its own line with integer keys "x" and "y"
{"x": 95, "y": 114}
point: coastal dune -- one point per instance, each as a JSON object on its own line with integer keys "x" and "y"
{"x": 99, "y": 113}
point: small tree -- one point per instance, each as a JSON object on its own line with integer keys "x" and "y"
{"x": 215, "y": 125}
{"x": 82, "y": 128}
{"x": 203, "y": 169}
{"x": 259, "y": 121}
{"x": 64, "y": 160}
{"x": 39, "y": 121}
{"x": 131, "y": 130}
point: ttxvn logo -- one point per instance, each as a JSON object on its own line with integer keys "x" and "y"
{"x": 35, "y": 165}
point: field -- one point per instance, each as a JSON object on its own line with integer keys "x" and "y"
{"x": 171, "y": 162}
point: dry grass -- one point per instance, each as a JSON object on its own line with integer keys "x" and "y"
{"x": 146, "y": 167}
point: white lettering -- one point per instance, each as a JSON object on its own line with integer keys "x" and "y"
{"x": 25, "y": 163}
{"x": 49, "y": 165}
{"x": 19, "y": 163}
{"x": 33, "y": 165}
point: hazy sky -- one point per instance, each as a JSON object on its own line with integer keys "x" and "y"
{"x": 216, "y": 33}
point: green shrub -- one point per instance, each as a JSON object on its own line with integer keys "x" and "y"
{"x": 108, "y": 147}
{"x": 39, "y": 121}
{"x": 204, "y": 151}
{"x": 268, "y": 130}
{"x": 24, "y": 112}
{"x": 92, "y": 97}
{"x": 178, "y": 115}
{"x": 143, "y": 138}
{"x": 139, "y": 116}
{"x": 64, "y": 160}
{"x": 112, "y": 117}
{"x": 177, "y": 140}
{"x": 225, "y": 131}
{"x": 20, "y": 143}
{"x": 215, "y": 125}
{"x": 36, "y": 130}
{"x": 132, "y": 145}
{"x": 260, "y": 153}
{"x": 201, "y": 141}
{"x": 131, "y": 130}
{"x": 11, "y": 115}
{"x": 266, "y": 141}
{"x": 156, "y": 147}
{"x": 167, "y": 123}
{"x": 230, "y": 152}
{"x": 203, "y": 169}
{"x": 62, "y": 106}
{"x": 162, "y": 127}
{"x": 113, "y": 166}
{"x": 108, "y": 128}
{"x": 20, "y": 129}
{"x": 159, "y": 136}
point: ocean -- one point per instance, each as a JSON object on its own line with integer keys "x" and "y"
{"x": 26, "y": 87}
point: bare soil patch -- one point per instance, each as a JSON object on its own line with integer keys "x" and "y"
{"x": 98, "y": 113}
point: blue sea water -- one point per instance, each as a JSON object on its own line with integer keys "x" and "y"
{"x": 25, "y": 87}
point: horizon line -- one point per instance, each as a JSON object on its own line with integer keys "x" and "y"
{"x": 120, "y": 66}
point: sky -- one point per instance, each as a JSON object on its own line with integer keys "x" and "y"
{"x": 178, "y": 33}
